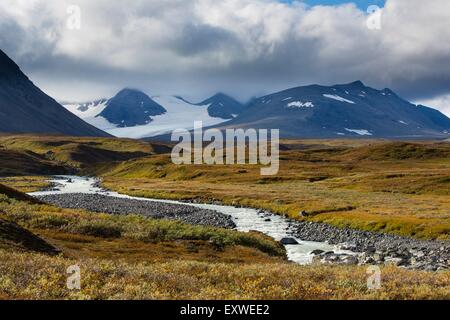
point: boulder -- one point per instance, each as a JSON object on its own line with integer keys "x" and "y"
{"x": 289, "y": 241}
{"x": 394, "y": 261}
{"x": 349, "y": 260}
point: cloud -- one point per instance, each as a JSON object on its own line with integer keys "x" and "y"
{"x": 442, "y": 103}
{"x": 242, "y": 47}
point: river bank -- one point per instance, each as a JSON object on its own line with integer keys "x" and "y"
{"x": 305, "y": 242}
{"x": 156, "y": 210}
{"x": 377, "y": 248}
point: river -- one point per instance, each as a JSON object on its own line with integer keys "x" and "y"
{"x": 246, "y": 219}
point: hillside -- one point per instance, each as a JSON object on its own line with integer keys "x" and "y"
{"x": 350, "y": 110}
{"x": 50, "y": 155}
{"x": 24, "y": 108}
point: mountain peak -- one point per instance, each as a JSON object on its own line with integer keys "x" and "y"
{"x": 220, "y": 95}
{"x": 131, "y": 107}
{"x": 223, "y": 106}
{"x": 130, "y": 91}
{"x": 8, "y": 66}
{"x": 357, "y": 84}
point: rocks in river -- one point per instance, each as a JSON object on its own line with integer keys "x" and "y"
{"x": 151, "y": 209}
{"x": 349, "y": 246}
{"x": 349, "y": 260}
{"x": 317, "y": 252}
{"x": 376, "y": 248}
{"x": 289, "y": 241}
{"x": 378, "y": 257}
{"x": 336, "y": 258}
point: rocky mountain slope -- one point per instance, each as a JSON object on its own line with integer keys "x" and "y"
{"x": 349, "y": 110}
{"x": 131, "y": 108}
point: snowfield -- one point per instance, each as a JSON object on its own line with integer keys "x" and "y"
{"x": 90, "y": 109}
{"x": 180, "y": 115}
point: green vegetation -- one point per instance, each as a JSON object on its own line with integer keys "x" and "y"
{"x": 10, "y": 193}
{"x": 79, "y": 222}
{"x": 27, "y": 183}
{"x": 52, "y": 155}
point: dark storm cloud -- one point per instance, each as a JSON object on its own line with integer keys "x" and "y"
{"x": 198, "y": 39}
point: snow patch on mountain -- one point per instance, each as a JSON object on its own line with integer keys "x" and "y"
{"x": 361, "y": 132}
{"x": 338, "y": 98}
{"x": 88, "y": 109}
{"x": 300, "y": 104}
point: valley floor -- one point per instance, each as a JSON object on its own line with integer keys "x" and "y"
{"x": 399, "y": 188}
{"x": 391, "y": 187}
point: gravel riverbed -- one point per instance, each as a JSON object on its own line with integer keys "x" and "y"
{"x": 156, "y": 210}
{"x": 376, "y": 248}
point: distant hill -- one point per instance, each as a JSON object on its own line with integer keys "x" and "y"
{"x": 349, "y": 110}
{"x": 24, "y": 108}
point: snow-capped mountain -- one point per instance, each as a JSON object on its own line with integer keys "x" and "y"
{"x": 136, "y": 115}
{"x": 349, "y": 110}
{"x": 131, "y": 108}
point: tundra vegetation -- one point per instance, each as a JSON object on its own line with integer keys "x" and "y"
{"x": 395, "y": 187}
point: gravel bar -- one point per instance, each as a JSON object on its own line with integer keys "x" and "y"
{"x": 151, "y": 209}
{"x": 377, "y": 248}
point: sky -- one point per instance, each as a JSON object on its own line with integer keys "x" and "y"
{"x": 244, "y": 48}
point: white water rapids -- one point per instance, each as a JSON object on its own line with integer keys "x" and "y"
{"x": 245, "y": 219}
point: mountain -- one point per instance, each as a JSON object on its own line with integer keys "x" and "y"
{"x": 24, "y": 108}
{"x": 348, "y": 110}
{"x": 131, "y": 108}
{"x": 223, "y": 106}
{"x": 126, "y": 115}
